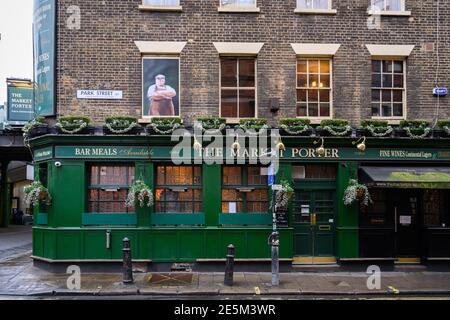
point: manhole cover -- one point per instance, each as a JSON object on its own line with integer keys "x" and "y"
{"x": 171, "y": 279}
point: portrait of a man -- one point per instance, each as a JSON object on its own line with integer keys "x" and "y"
{"x": 161, "y": 85}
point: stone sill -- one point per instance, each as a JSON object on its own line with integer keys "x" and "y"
{"x": 238, "y": 10}
{"x": 391, "y": 121}
{"x": 316, "y": 11}
{"x": 316, "y": 120}
{"x": 390, "y": 13}
{"x": 161, "y": 8}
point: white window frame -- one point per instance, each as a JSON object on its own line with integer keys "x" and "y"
{"x": 230, "y": 119}
{"x": 163, "y": 7}
{"x": 312, "y": 118}
{"x": 392, "y": 119}
{"x": 328, "y": 10}
{"x": 238, "y": 8}
{"x": 376, "y": 11}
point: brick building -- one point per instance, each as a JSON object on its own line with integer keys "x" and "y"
{"x": 313, "y": 59}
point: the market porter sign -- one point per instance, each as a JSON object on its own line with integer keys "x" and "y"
{"x": 44, "y": 56}
{"x": 20, "y": 103}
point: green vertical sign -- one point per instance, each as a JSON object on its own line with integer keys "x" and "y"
{"x": 20, "y": 103}
{"x": 44, "y": 56}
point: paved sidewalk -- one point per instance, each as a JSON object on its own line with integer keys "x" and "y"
{"x": 18, "y": 277}
{"x": 15, "y": 240}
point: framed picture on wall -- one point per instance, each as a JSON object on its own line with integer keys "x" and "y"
{"x": 161, "y": 86}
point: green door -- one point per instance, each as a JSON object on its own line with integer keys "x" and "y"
{"x": 314, "y": 225}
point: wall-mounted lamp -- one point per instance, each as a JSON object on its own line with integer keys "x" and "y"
{"x": 360, "y": 145}
{"x": 280, "y": 145}
{"x": 320, "y": 150}
{"x": 236, "y": 145}
{"x": 197, "y": 145}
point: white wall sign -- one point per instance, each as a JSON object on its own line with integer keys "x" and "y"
{"x": 100, "y": 94}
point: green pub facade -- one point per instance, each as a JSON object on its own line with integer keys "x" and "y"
{"x": 262, "y": 60}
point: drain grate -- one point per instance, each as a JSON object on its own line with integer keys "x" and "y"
{"x": 171, "y": 279}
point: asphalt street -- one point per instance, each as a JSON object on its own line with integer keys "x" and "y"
{"x": 15, "y": 240}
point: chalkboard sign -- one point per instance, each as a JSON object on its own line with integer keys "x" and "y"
{"x": 282, "y": 218}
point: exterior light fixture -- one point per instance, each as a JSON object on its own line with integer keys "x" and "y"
{"x": 360, "y": 145}
{"x": 280, "y": 145}
{"x": 314, "y": 84}
{"x": 320, "y": 150}
{"x": 197, "y": 145}
{"x": 236, "y": 145}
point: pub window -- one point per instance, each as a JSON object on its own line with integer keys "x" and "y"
{"x": 244, "y": 190}
{"x": 161, "y": 3}
{"x": 314, "y": 4}
{"x": 314, "y": 171}
{"x": 238, "y": 87}
{"x": 375, "y": 215}
{"x": 108, "y": 188}
{"x": 436, "y": 209}
{"x": 388, "y": 88}
{"x": 178, "y": 189}
{"x": 314, "y": 88}
{"x": 238, "y": 3}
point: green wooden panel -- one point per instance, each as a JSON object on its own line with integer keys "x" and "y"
{"x": 49, "y": 244}
{"x": 145, "y": 239}
{"x": 105, "y": 219}
{"x": 68, "y": 198}
{"x": 68, "y": 245}
{"x": 191, "y": 245}
{"x": 165, "y": 246}
{"x": 212, "y": 193}
{"x": 95, "y": 245}
{"x": 245, "y": 219}
{"x": 348, "y": 240}
{"x": 38, "y": 242}
{"x": 211, "y": 243}
{"x": 286, "y": 243}
{"x": 42, "y": 218}
{"x": 257, "y": 246}
{"x": 178, "y": 219}
{"x": 117, "y": 237}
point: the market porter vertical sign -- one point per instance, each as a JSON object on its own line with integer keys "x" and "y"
{"x": 44, "y": 56}
{"x": 20, "y": 103}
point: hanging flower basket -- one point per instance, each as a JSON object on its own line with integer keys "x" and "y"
{"x": 356, "y": 192}
{"x": 35, "y": 127}
{"x": 36, "y": 193}
{"x": 445, "y": 128}
{"x": 283, "y": 196}
{"x": 122, "y": 125}
{"x": 296, "y": 126}
{"x": 376, "y": 128}
{"x": 415, "y": 129}
{"x": 163, "y": 125}
{"x": 210, "y": 125}
{"x": 74, "y": 125}
{"x": 253, "y": 126}
{"x": 139, "y": 194}
{"x": 336, "y": 128}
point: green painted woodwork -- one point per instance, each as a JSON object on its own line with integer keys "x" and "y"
{"x": 347, "y": 220}
{"x": 41, "y": 218}
{"x": 178, "y": 219}
{"x": 245, "y": 219}
{"x": 43, "y": 154}
{"x": 212, "y": 193}
{"x": 93, "y": 219}
{"x": 102, "y": 152}
{"x": 69, "y": 199}
{"x": 159, "y": 245}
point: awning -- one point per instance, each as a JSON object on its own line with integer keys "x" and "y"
{"x": 406, "y": 177}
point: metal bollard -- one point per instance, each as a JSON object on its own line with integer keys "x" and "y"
{"x": 229, "y": 268}
{"x": 127, "y": 265}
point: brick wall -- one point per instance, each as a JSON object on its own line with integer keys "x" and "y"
{"x": 102, "y": 55}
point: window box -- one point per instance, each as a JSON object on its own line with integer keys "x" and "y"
{"x": 114, "y": 219}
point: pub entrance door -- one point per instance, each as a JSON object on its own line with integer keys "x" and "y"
{"x": 314, "y": 226}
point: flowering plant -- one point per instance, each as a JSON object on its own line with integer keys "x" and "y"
{"x": 357, "y": 192}
{"x": 213, "y": 125}
{"x": 36, "y": 192}
{"x": 164, "y": 125}
{"x": 139, "y": 192}
{"x": 120, "y": 125}
{"x": 284, "y": 195}
{"x": 72, "y": 125}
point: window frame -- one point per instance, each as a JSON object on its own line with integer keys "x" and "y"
{"x": 328, "y": 10}
{"x": 192, "y": 187}
{"x": 244, "y": 185}
{"x": 153, "y": 7}
{"x": 405, "y": 91}
{"x": 238, "y": 8}
{"x": 402, "y": 12}
{"x": 90, "y": 186}
{"x": 318, "y": 118}
{"x": 238, "y": 58}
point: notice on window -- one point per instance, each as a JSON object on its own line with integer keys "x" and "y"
{"x": 232, "y": 207}
{"x": 405, "y": 220}
{"x": 305, "y": 209}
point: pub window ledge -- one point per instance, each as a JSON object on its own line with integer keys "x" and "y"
{"x": 316, "y": 11}
{"x": 390, "y": 121}
{"x": 316, "y": 120}
{"x": 390, "y": 13}
{"x": 239, "y": 10}
{"x": 161, "y": 8}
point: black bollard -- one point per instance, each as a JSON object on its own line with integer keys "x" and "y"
{"x": 127, "y": 266}
{"x": 229, "y": 268}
